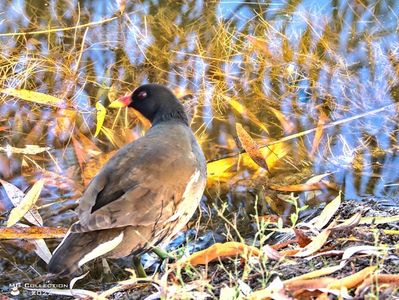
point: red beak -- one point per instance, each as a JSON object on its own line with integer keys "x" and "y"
{"x": 121, "y": 102}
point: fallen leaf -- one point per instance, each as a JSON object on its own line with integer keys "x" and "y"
{"x": 314, "y": 274}
{"x": 353, "y": 280}
{"x": 313, "y": 194}
{"x": 17, "y": 232}
{"x": 29, "y": 149}
{"x": 101, "y": 112}
{"x": 81, "y": 155}
{"x": 219, "y": 251}
{"x": 315, "y": 245}
{"x": 23, "y": 207}
{"x": 369, "y": 250}
{"x": 327, "y": 213}
{"x": 110, "y": 134}
{"x": 377, "y": 279}
{"x": 348, "y": 224}
{"x": 302, "y": 239}
{"x": 33, "y": 96}
{"x": 217, "y": 169}
{"x": 39, "y": 244}
{"x": 251, "y": 147}
{"x": 16, "y": 196}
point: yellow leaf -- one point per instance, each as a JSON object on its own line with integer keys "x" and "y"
{"x": 315, "y": 245}
{"x": 218, "y": 169}
{"x": 250, "y": 147}
{"x": 101, "y": 112}
{"x": 328, "y": 212}
{"x": 222, "y": 170}
{"x": 30, "y": 198}
{"x": 33, "y": 96}
{"x": 16, "y": 196}
{"x": 353, "y": 280}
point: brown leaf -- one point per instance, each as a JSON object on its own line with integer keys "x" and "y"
{"x": 251, "y": 147}
{"x": 315, "y": 245}
{"x": 307, "y": 284}
{"x": 302, "y": 239}
{"x": 30, "y": 233}
{"x": 219, "y": 251}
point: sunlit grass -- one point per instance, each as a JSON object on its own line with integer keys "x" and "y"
{"x": 277, "y": 69}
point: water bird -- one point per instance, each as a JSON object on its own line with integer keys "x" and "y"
{"x": 145, "y": 194}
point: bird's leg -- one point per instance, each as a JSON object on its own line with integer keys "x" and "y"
{"x": 162, "y": 254}
{"x": 139, "y": 267}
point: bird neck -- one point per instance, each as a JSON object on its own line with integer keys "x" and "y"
{"x": 175, "y": 114}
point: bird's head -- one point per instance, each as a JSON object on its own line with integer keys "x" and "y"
{"x": 155, "y": 102}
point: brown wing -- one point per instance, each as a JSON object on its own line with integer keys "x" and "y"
{"x": 141, "y": 184}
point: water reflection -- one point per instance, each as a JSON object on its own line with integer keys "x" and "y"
{"x": 310, "y": 60}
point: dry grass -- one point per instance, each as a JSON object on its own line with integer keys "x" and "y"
{"x": 319, "y": 80}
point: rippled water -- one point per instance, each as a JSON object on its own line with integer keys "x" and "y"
{"x": 293, "y": 65}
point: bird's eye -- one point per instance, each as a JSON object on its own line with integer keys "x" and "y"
{"x": 142, "y": 95}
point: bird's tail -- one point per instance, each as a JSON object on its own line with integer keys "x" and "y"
{"x": 77, "y": 248}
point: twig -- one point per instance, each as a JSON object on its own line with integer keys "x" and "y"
{"x": 59, "y": 29}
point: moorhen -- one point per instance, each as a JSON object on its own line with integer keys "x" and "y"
{"x": 144, "y": 194}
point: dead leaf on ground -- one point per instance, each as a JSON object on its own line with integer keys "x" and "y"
{"x": 26, "y": 204}
{"x": 33, "y": 232}
{"x": 348, "y": 224}
{"x": 220, "y": 251}
{"x": 353, "y": 280}
{"x": 327, "y": 213}
{"x": 316, "y": 244}
{"x": 391, "y": 280}
{"x": 301, "y": 238}
{"x": 28, "y": 149}
{"x": 16, "y": 196}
